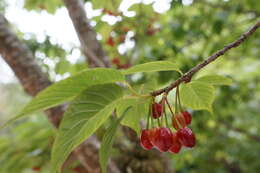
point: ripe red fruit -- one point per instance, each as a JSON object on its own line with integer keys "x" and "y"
{"x": 186, "y": 137}
{"x": 145, "y": 140}
{"x": 36, "y": 168}
{"x": 77, "y": 169}
{"x": 150, "y": 31}
{"x": 187, "y": 117}
{"x": 178, "y": 121}
{"x": 152, "y": 133}
{"x": 157, "y": 110}
{"x": 110, "y": 41}
{"x": 116, "y": 61}
{"x": 176, "y": 145}
{"x": 163, "y": 139}
{"x": 124, "y": 66}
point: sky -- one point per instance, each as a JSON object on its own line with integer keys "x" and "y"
{"x": 59, "y": 26}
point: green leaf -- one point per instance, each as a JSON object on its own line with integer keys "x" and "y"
{"x": 140, "y": 108}
{"x": 107, "y": 142}
{"x": 49, "y": 6}
{"x": 197, "y": 95}
{"x": 215, "y": 80}
{"x": 67, "y": 89}
{"x": 109, "y": 5}
{"x": 152, "y": 67}
{"x": 83, "y": 117}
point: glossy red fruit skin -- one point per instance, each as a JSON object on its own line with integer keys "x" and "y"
{"x": 157, "y": 110}
{"x": 178, "y": 121}
{"x": 186, "y": 137}
{"x": 163, "y": 139}
{"x": 176, "y": 145}
{"x": 110, "y": 41}
{"x": 187, "y": 116}
{"x": 124, "y": 66}
{"x": 116, "y": 61}
{"x": 36, "y": 168}
{"x": 152, "y": 133}
{"x": 145, "y": 140}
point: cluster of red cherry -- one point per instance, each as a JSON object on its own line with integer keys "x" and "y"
{"x": 161, "y": 136}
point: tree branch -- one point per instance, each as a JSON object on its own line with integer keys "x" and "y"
{"x": 187, "y": 76}
{"x": 87, "y": 36}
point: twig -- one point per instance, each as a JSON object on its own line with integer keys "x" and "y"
{"x": 187, "y": 76}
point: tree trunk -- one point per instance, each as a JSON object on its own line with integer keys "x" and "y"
{"x": 88, "y": 38}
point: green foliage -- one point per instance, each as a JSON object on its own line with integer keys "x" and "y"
{"x": 108, "y": 140}
{"x": 84, "y": 116}
{"x": 215, "y": 80}
{"x": 197, "y": 95}
{"x": 49, "y": 6}
{"x": 140, "y": 108}
{"x": 69, "y": 88}
{"x": 153, "y": 67}
{"x": 108, "y": 4}
{"x": 186, "y": 35}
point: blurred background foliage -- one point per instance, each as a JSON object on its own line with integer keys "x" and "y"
{"x": 186, "y": 33}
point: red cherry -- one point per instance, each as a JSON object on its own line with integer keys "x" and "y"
{"x": 77, "y": 169}
{"x": 150, "y": 31}
{"x": 157, "y": 110}
{"x": 124, "y": 66}
{"x": 110, "y": 41}
{"x": 145, "y": 140}
{"x": 152, "y": 133}
{"x": 176, "y": 145}
{"x": 187, "y": 117}
{"x": 36, "y": 168}
{"x": 186, "y": 137}
{"x": 116, "y": 61}
{"x": 178, "y": 121}
{"x": 163, "y": 139}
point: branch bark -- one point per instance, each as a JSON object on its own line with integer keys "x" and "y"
{"x": 187, "y": 76}
{"x": 22, "y": 62}
{"x": 87, "y": 36}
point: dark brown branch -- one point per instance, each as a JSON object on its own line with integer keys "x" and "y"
{"x": 87, "y": 36}
{"x": 187, "y": 76}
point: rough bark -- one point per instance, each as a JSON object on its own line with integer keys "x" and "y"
{"x": 87, "y": 36}
{"x": 22, "y": 62}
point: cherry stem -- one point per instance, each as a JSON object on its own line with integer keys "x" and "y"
{"x": 166, "y": 120}
{"x": 152, "y": 122}
{"x": 164, "y": 109}
{"x": 169, "y": 107}
{"x": 179, "y": 99}
{"x": 148, "y": 118}
{"x": 176, "y": 102}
